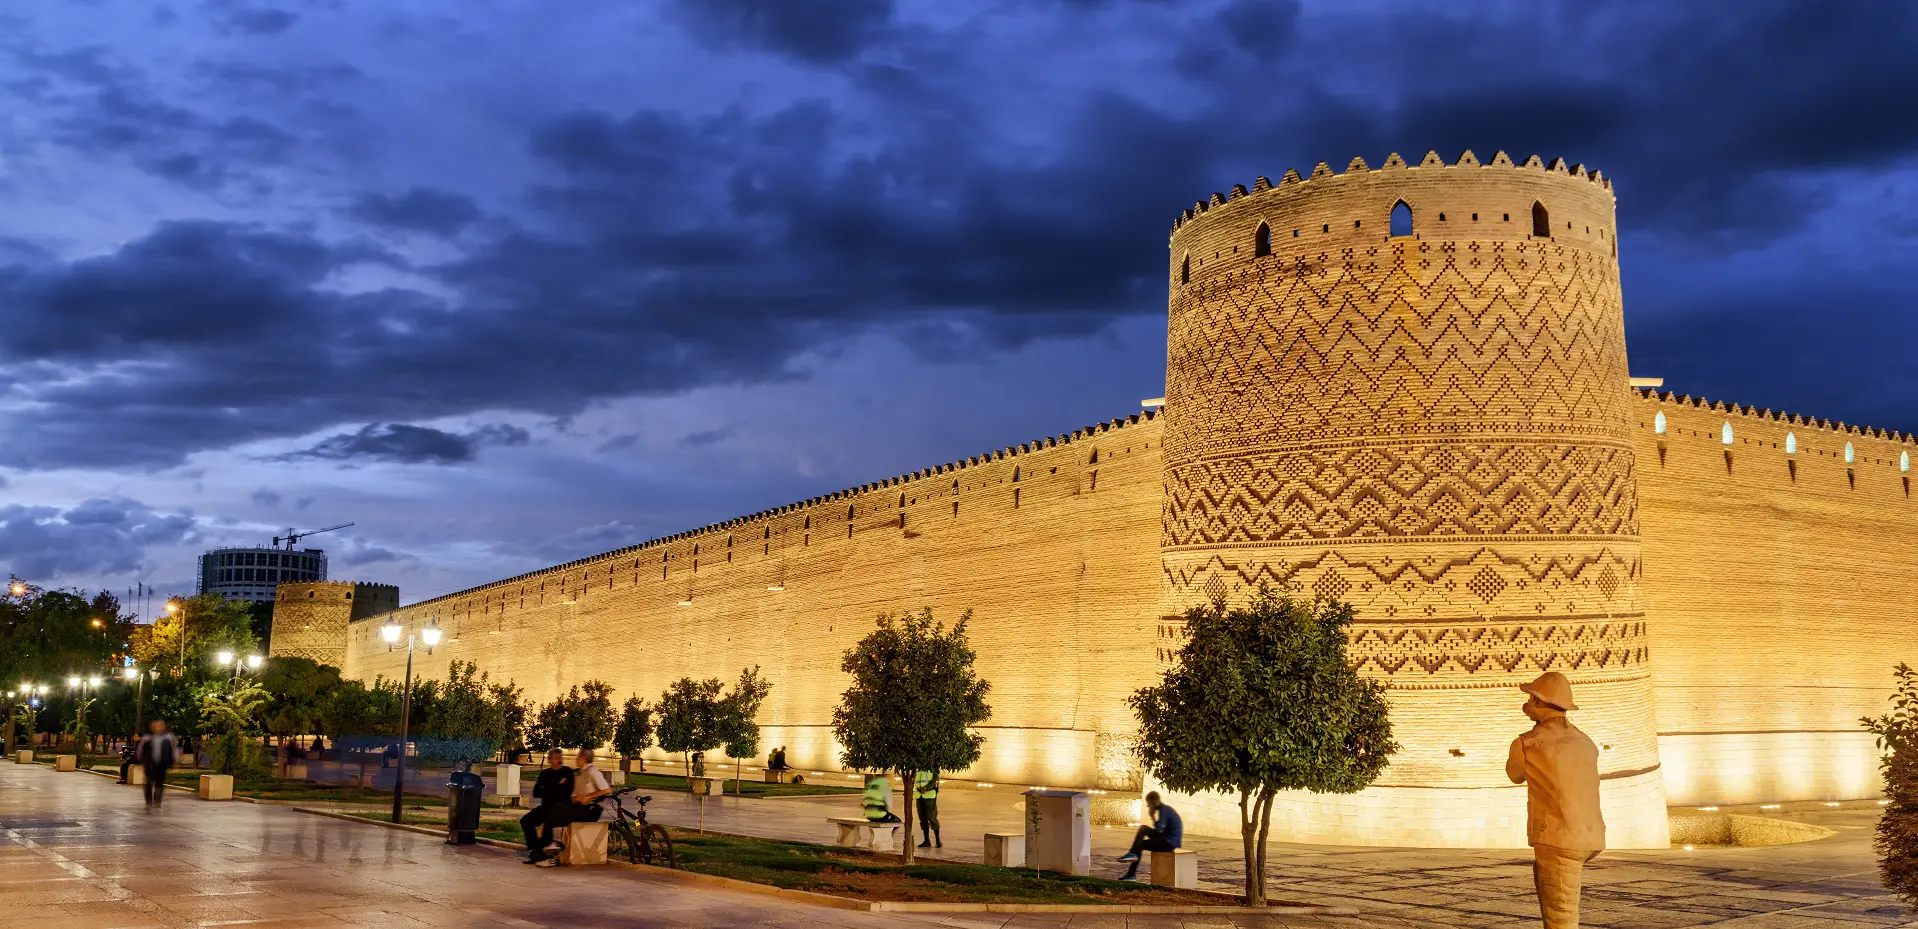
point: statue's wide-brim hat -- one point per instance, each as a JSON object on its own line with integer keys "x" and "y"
{"x": 1552, "y": 689}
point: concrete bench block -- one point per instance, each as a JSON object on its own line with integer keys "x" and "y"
{"x": 1006, "y": 849}
{"x": 1178, "y": 868}
{"x": 66, "y": 762}
{"x": 23, "y": 756}
{"x": 136, "y": 775}
{"x": 865, "y": 834}
{"x": 585, "y": 843}
{"x": 216, "y": 786}
{"x": 296, "y": 772}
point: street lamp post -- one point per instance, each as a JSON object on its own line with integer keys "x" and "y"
{"x": 80, "y": 719}
{"x": 139, "y": 678}
{"x": 250, "y": 662}
{"x": 429, "y": 636}
{"x": 173, "y": 606}
{"x": 17, "y": 700}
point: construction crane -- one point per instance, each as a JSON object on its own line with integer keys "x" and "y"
{"x": 292, "y": 537}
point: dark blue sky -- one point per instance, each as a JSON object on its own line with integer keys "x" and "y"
{"x": 512, "y": 281}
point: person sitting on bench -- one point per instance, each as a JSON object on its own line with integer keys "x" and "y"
{"x": 554, "y": 791}
{"x": 1164, "y": 835}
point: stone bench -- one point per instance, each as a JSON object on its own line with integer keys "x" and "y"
{"x": 1006, "y": 849}
{"x": 136, "y": 775}
{"x": 216, "y": 786}
{"x": 585, "y": 843}
{"x": 866, "y": 834}
{"x": 23, "y": 756}
{"x": 1177, "y": 868}
{"x": 66, "y": 762}
{"x": 780, "y": 777}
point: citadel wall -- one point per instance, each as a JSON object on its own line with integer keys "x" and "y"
{"x": 1050, "y": 545}
{"x": 1781, "y": 578}
{"x": 310, "y": 618}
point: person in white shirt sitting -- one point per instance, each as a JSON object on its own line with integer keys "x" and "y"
{"x": 589, "y": 787}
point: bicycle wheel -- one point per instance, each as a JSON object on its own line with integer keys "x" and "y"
{"x": 620, "y": 842}
{"x": 661, "y": 847}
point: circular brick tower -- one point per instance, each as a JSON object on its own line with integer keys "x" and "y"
{"x": 1406, "y": 388}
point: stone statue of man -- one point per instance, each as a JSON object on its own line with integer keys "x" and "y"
{"x": 1558, "y": 765}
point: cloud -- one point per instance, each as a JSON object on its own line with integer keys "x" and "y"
{"x": 420, "y": 209}
{"x": 358, "y": 557}
{"x": 266, "y": 498}
{"x": 705, "y": 437}
{"x": 97, "y": 536}
{"x": 408, "y": 444}
{"x": 820, "y": 31}
{"x": 252, "y": 20}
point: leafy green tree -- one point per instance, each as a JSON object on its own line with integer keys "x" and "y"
{"x": 208, "y": 623}
{"x": 692, "y": 720}
{"x": 232, "y": 714}
{"x": 79, "y": 729}
{"x": 634, "y": 733}
{"x": 357, "y": 712}
{"x": 1263, "y": 698}
{"x": 463, "y": 724}
{"x": 739, "y": 719}
{"x": 583, "y": 718}
{"x": 46, "y": 636}
{"x": 300, "y": 688}
{"x": 1897, "y": 839}
{"x": 513, "y": 709}
{"x": 914, "y": 701}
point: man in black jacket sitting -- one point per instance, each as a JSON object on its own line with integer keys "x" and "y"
{"x": 554, "y": 791}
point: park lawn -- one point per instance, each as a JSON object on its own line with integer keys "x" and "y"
{"x": 841, "y": 872}
{"x": 752, "y": 788}
{"x": 88, "y": 760}
{"x": 279, "y": 788}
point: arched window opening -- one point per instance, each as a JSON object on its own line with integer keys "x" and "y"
{"x": 1262, "y": 242}
{"x": 1185, "y": 270}
{"x": 1850, "y": 456}
{"x": 1725, "y": 433}
{"x": 1791, "y": 443}
{"x": 1401, "y": 219}
{"x": 1658, "y": 423}
{"x": 1541, "y": 221}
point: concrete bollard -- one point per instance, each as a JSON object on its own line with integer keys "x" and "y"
{"x": 23, "y": 756}
{"x": 1178, "y": 868}
{"x": 136, "y": 775}
{"x": 1006, "y": 849}
{"x": 66, "y": 762}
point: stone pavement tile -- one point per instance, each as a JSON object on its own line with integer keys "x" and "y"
{"x": 373, "y": 916}
{"x": 205, "y": 908}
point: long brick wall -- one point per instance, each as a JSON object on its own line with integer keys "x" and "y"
{"x": 1052, "y": 546}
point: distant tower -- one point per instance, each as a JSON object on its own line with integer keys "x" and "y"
{"x": 1406, "y": 388}
{"x": 310, "y": 619}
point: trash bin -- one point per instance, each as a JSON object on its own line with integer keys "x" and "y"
{"x": 463, "y": 791}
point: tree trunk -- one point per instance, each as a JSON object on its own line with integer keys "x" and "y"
{"x": 1248, "y": 826}
{"x": 907, "y": 777}
{"x": 739, "y": 786}
{"x": 1265, "y": 828}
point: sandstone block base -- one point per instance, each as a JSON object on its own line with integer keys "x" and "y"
{"x": 1006, "y": 849}
{"x": 66, "y": 762}
{"x": 23, "y": 756}
{"x": 216, "y": 786}
{"x": 585, "y": 843}
{"x": 136, "y": 775}
{"x": 1178, "y": 868}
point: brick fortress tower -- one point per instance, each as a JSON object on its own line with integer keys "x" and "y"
{"x": 310, "y": 618}
{"x": 1428, "y": 418}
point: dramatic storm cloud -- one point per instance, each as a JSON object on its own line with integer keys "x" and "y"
{"x": 508, "y": 282}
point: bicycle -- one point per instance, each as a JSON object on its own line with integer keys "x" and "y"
{"x": 630, "y": 836}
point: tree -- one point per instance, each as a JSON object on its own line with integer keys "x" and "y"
{"x": 634, "y": 733}
{"x": 513, "y": 710}
{"x": 233, "y": 713}
{"x": 913, "y": 701}
{"x": 358, "y": 712}
{"x": 1897, "y": 839}
{"x": 462, "y": 723}
{"x": 47, "y": 635}
{"x": 1262, "y": 698}
{"x": 583, "y": 718}
{"x": 739, "y": 719}
{"x": 692, "y": 719}
{"x": 301, "y": 688}
{"x": 209, "y": 623}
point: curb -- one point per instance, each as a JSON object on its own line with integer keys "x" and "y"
{"x": 882, "y": 906}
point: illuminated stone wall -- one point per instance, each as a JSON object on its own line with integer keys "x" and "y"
{"x": 1782, "y": 589}
{"x": 310, "y": 618}
{"x": 1050, "y": 545}
{"x": 1434, "y": 426}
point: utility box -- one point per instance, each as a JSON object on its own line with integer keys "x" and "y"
{"x": 506, "y": 783}
{"x": 1059, "y": 831}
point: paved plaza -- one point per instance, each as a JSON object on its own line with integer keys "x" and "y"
{"x": 76, "y": 851}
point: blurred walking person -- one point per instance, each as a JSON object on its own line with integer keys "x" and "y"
{"x": 157, "y": 752}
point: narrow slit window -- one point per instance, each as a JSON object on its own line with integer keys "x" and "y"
{"x": 1262, "y": 242}
{"x": 1541, "y": 220}
{"x": 1401, "y": 219}
{"x": 1185, "y": 270}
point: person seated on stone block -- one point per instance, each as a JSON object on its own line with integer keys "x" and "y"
{"x": 777, "y": 760}
{"x": 554, "y": 793}
{"x": 1166, "y": 834}
{"x": 582, "y": 805}
{"x": 878, "y": 799}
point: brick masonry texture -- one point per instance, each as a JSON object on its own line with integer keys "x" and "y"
{"x": 1435, "y": 426}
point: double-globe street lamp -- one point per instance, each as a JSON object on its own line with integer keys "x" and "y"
{"x": 26, "y": 696}
{"x": 429, "y": 636}
{"x": 85, "y": 686}
{"x": 236, "y": 662}
{"x": 139, "y": 678}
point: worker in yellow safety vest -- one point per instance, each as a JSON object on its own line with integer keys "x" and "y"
{"x": 926, "y": 806}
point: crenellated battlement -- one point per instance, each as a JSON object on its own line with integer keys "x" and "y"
{"x": 1392, "y": 163}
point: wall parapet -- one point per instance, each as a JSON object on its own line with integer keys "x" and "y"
{"x": 1792, "y": 419}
